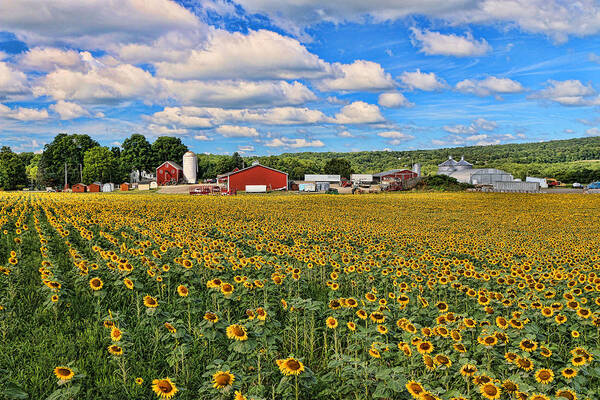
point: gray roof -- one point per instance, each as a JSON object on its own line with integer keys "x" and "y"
{"x": 390, "y": 172}
{"x": 448, "y": 163}
{"x": 464, "y": 163}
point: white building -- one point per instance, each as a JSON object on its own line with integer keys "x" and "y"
{"x": 464, "y": 172}
{"x": 541, "y": 181}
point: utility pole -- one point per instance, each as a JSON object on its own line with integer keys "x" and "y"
{"x": 80, "y": 174}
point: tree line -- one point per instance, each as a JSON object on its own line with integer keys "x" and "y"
{"x": 86, "y": 161}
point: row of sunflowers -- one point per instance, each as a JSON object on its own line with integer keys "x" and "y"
{"x": 394, "y": 296}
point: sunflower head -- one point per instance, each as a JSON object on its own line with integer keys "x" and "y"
{"x": 164, "y": 388}
{"x": 64, "y": 373}
{"x": 222, "y": 379}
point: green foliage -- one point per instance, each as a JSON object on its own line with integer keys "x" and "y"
{"x": 136, "y": 154}
{"x": 338, "y": 166}
{"x": 442, "y": 183}
{"x": 99, "y": 165}
{"x": 167, "y": 148}
{"x": 12, "y": 170}
{"x": 64, "y": 149}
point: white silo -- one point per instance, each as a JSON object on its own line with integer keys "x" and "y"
{"x": 190, "y": 167}
{"x": 417, "y": 169}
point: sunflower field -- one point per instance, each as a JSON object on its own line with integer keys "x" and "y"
{"x": 389, "y": 296}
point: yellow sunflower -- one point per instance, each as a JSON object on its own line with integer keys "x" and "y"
{"x": 96, "y": 283}
{"x": 222, "y": 379}
{"x": 290, "y": 366}
{"x": 164, "y": 388}
{"x": 237, "y": 332}
{"x": 490, "y": 391}
{"x": 150, "y": 301}
{"x": 64, "y": 373}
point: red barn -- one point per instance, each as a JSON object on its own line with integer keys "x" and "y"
{"x": 255, "y": 174}
{"x": 93, "y": 187}
{"x": 168, "y": 172}
{"x": 78, "y": 188}
{"x": 395, "y": 174}
{"x": 124, "y": 187}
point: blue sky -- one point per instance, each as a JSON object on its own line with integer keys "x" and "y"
{"x": 266, "y": 76}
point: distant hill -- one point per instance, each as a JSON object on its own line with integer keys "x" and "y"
{"x": 567, "y": 160}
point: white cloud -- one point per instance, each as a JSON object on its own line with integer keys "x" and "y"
{"x": 236, "y": 131}
{"x": 294, "y": 143}
{"x": 478, "y": 125}
{"x": 50, "y": 58}
{"x": 422, "y": 81}
{"x": 93, "y": 23}
{"x": 179, "y": 116}
{"x": 555, "y": 18}
{"x": 489, "y": 86}
{"x": 359, "y": 112}
{"x": 202, "y": 137}
{"x": 68, "y": 110}
{"x": 393, "y": 100}
{"x": 99, "y": 85}
{"x": 361, "y": 75}
{"x": 345, "y": 134}
{"x": 592, "y": 132}
{"x": 568, "y": 93}
{"x": 238, "y": 93}
{"x": 159, "y": 130}
{"x": 11, "y": 81}
{"x": 22, "y": 113}
{"x": 435, "y": 43}
{"x": 246, "y": 149}
{"x": 257, "y": 55}
{"x": 593, "y": 57}
{"x": 396, "y": 137}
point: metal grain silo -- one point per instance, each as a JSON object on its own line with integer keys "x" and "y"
{"x": 190, "y": 167}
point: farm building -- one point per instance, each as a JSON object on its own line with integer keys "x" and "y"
{"x": 516, "y": 186}
{"x": 168, "y": 173}
{"x": 464, "y": 172}
{"x": 108, "y": 187}
{"x": 190, "y": 167}
{"x": 450, "y": 165}
{"x": 144, "y": 186}
{"x": 141, "y": 176}
{"x": 79, "y": 188}
{"x": 94, "y": 187}
{"x": 124, "y": 187}
{"x": 395, "y": 174}
{"x": 255, "y": 174}
{"x": 361, "y": 178}
{"x": 323, "y": 178}
{"x": 542, "y": 181}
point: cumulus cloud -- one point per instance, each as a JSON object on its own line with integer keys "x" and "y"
{"x": 361, "y": 75}
{"x": 49, "y": 58}
{"x": 393, "y": 100}
{"x": 22, "y": 113}
{"x": 592, "y": 132}
{"x": 257, "y": 55}
{"x": 236, "y": 131}
{"x": 160, "y": 130}
{"x": 359, "y": 112}
{"x": 12, "y": 82}
{"x": 489, "y": 86}
{"x": 435, "y": 43}
{"x": 478, "y": 125}
{"x": 68, "y": 110}
{"x": 556, "y": 18}
{"x": 293, "y": 143}
{"x": 396, "y": 137}
{"x": 206, "y": 117}
{"x": 93, "y": 23}
{"x": 246, "y": 149}
{"x": 568, "y": 93}
{"x": 422, "y": 81}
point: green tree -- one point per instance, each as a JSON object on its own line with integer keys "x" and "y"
{"x": 64, "y": 150}
{"x": 167, "y": 148}
{"x": 136, "y": 154}
{"x": 99, "y": 165}
{"x": 33, "y": 172}
{"x": 338, "y": 166}
{"x": 12, "y": 170}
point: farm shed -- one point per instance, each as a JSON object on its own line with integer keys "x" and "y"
{"x": 255, "y": 174}
{"x": 79, "y": 188}
{"x": 541, "y": 181}
{"x": 124, "y": 187}
{"x": 516, "y": 186}
{"x": 395, "y": 174}
{"x": 323, "y": 178}
{"x": 94, "y": 187}
{"x": 168, "y": 173}
{"x": 108, "y": 187}
{"x": 144, "y": 186}
{"x": 361, "y": 178}
{"x": 487, "y": 176}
